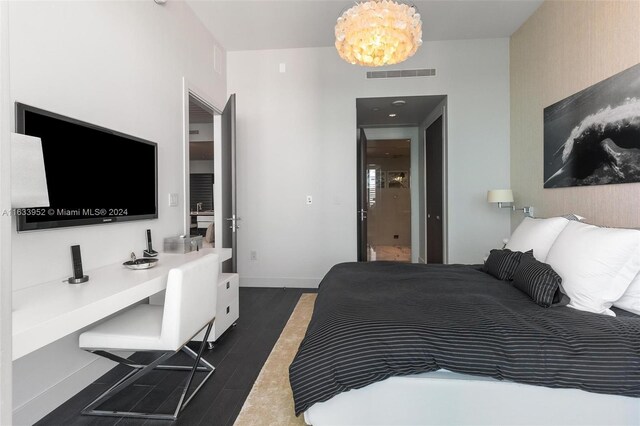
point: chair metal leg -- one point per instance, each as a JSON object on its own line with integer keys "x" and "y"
{"x": 123, "y": 383}
{"x": 181, "y": 405}
{"x": 138, "y": 371}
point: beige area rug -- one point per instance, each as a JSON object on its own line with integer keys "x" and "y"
{"x": 270, "y": 401}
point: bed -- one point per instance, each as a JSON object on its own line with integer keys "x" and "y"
{"x": 393, "y": 343}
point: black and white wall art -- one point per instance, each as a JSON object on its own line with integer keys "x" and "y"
{"x": 593, "y": 136}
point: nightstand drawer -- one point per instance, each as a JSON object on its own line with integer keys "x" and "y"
{"x": 227, "y": 306}
{"x": 225, "y": 317}
{"x": 227, "y": 290}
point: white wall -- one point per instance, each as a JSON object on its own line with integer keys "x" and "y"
{"x": 119, "y": 65}
{"x": 5, "y": 223}
{"x": 407, "y": 133}
{"x": 297, "y": 136}
{"x": 205, "y": 132}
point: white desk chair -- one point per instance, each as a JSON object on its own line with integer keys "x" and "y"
{"x": 190, "y": 306}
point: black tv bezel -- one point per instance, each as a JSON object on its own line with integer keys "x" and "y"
{"x": 22, "y": 224}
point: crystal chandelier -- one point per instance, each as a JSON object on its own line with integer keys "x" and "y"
{"x": 378, "y": 32}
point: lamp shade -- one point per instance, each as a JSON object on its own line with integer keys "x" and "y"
{"x": 28, "y": 179}
{"x": 500, "y": 196}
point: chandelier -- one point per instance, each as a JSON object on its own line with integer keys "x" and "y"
{"x": 378, "y": 32}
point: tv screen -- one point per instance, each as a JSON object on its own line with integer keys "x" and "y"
{"x": 94, "y": 175}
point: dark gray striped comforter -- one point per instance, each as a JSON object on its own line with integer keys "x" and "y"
{"x": 381, "y": 319}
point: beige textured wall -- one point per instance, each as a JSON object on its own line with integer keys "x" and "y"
{"x": 564, "y": 47}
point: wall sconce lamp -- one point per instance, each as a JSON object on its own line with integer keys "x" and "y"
{"x": 28, "y": 178}
{"x": 505, "y": 196}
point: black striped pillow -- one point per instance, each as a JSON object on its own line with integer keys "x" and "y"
{"x": 573, "y": 216}
{"x": 539, "y": 281}
{"x": 502, "y": 264}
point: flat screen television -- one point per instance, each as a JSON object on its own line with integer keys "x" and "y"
{"x": 94, "y": 175}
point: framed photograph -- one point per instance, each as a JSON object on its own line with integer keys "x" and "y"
{"x": 399, "y": 179}
{"x": 593, "y": 136}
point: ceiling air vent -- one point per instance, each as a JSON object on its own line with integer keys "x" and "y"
{"x": 426, "y": 72}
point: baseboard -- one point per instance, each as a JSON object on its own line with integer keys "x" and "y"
{"x": 279, "y": 282}
{"x": 47, "y": 401}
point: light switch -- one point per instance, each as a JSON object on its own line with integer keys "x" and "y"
{"x": 173, "y": 200}
{"x": 283, "y": 67}
{"x": 309, "y": 199}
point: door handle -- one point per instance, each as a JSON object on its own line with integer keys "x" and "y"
{"x": 234, "y": 225}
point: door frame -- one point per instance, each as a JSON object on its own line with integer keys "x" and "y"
{"x": 362, "y": 206}
{"x": 190, "y": 90}
{"x": 445, "y": 173}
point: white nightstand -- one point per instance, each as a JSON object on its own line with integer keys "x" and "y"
{"x": 227, "y": 306}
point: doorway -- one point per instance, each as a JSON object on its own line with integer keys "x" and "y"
{"x": 210, "y": 164}
{"x": 201, "y": 171}
{"x": 394, "y": 204}
{"x": 389, "y": 199}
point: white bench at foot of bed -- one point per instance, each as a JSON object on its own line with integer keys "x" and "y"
{"x": 447, "y": 398}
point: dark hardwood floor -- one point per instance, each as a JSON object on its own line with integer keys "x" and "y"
{"x": 238, "y": 357}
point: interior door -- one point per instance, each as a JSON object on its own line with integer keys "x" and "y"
{"x": 362, "y": 197}
{"x": 228, "y": 184}
{"x": 434, "y": 169}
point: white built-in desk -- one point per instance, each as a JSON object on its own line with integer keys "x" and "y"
{"x": 47, "y": 312}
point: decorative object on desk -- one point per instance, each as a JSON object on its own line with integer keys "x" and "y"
{"x": 28, "y": 178}
{"x": 182, "y": 244}
{"x": 504, "y": 198}
{"x": 143, "y": 263}
{"x": 593, "y": 136}
{"x": 78, "y": 275}
{"x": 376, "y": 33}
{"x": 149, "y": 252}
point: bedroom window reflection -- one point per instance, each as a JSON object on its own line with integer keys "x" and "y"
{"x": 375, "y": 181}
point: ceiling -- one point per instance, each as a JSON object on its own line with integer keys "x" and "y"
{"x": 388, "y": 148}
{"x": 199, "y": 113}
{"x": 374, "y": 112}
{"x": 263, "y": 24}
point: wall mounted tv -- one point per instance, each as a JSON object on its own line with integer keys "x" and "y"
{"x": 94, "y": 175}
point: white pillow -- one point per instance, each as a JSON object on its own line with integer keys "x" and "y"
{"x": 630, "y": 301}
{"x": 537, "y": 235}
{"x": 596, "y": 264}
